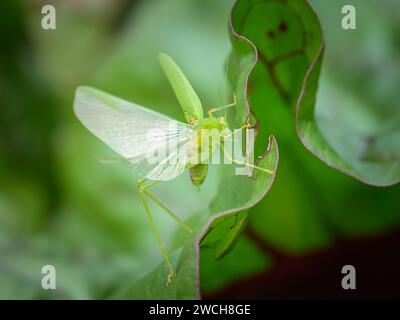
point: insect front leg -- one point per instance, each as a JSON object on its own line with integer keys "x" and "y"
{"x": 245, "y": 126}
{"x": 270, "y": 172}
{"x": 211, "y": 111}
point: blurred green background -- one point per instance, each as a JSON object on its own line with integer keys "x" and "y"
{"x": 60, "y": 206}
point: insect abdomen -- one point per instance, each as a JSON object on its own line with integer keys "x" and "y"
{"x": 198, "y": 174}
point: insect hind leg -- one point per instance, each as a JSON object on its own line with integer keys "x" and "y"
{"x": 154, "y": 228}
{"x": 145, "y": 190}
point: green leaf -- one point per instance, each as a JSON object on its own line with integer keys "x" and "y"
{"x": 186, "y": 95}
{"x": 310, "y": 204}
{"x": 218, "y": 227}
{"x": 384, "y": 146}
{"x": 60, "y": 206}
{"x": 243, "y": 260}
{"x": 334, "y": 124}
{"x": 349, "y": 128}
{"x": 153, "y": 285}
{"x": 223, "y": 233}
{"x": 285, "y": 35}
{"x": 224, "y": 194}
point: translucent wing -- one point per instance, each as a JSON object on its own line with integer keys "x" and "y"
{"x": 157, "y": 146}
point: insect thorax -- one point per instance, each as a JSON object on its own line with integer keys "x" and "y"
{"x": 209, "y": 133}
{"x": 212, "y": 123}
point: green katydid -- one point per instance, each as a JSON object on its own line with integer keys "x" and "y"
{"x": 135, "y": 132}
